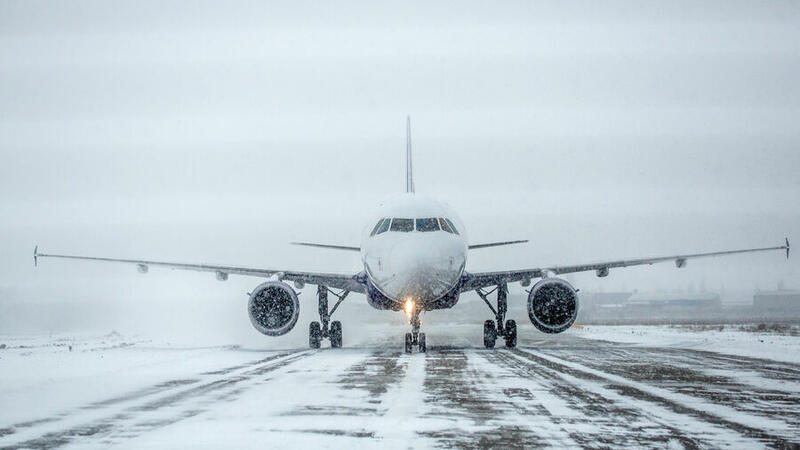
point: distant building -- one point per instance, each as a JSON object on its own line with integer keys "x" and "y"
{"x": 600, "y": 299}
{"x": 703, "y": 300}
{"x": 781, "y": 299}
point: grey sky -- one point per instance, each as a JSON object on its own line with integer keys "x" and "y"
{"x": 220, "y": 131}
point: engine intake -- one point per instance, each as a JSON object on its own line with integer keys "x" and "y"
{"x": 273, "y": 308}
{"x": 552, "y": 305}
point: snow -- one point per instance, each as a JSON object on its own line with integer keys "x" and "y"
{"x": 42, "y": 373}
{"x": 729, "y": 341}
{"x": 575, "y": 389}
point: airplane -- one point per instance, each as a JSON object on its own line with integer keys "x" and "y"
{"x": 414, "y": 253}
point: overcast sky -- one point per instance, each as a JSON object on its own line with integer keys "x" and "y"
{"x": 220, "y": 131}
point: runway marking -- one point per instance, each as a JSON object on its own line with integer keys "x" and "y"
{"x": 87, "y": 422}
{"x": 680, "y": 404}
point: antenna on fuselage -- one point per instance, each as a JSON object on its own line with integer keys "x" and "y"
{"x": 409, "y": 167}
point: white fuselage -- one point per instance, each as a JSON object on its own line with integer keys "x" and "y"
{"x": 421, "y": 259}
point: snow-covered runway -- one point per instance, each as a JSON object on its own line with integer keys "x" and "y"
{"x": 560, "y": 391}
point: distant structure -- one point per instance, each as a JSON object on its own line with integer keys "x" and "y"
{"x": 782, "y": 299}
{"x": 672, "y": 308}
{"x": 702, "y": 300}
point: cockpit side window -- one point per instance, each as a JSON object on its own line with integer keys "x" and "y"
{"x": 377, "y": 226}
{"x": 384, "y": 226}
{"x": 429, "y": 224}
{"x": 450, "y": 227}
{"x": 404, "y": 225}
{"x": 445, "y": 226}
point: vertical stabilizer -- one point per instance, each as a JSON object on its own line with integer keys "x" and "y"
{"x": 409, "y": 166}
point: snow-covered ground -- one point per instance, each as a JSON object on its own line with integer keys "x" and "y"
{"x": 594, "y": 387}
{"x": 731, "y": 340}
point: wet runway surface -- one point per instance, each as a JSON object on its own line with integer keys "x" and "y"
{"x": 564, "y": 392}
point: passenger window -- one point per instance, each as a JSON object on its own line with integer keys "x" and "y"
{"x": 404, "y": 225}
{"x": 445, "y": 226}
{"x": 452, "y": 227}
{"x": 377, "y": 225}
{"x": 430, "y": 224}
{"x": 384, "y": 226}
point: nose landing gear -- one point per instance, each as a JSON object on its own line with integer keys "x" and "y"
{"x": 507, "y": 329}
{"x": 318, "y": 331}
{"x": 415, "y": 337}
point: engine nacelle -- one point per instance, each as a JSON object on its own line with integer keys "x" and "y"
{"x": 273, "y": 308}
{"x": 552, "y": 305}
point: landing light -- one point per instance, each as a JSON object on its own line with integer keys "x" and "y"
{"x": 409, "y": 306}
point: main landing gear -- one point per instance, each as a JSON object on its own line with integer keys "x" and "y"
{"x": 318, "y": 331}
{"x": 415, "y": 337}
{"x": 507, "y": 329}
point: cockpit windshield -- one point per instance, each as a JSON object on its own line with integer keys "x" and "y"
{"x": 404, "y": 225}
{"x": 430, "y": 224}
{"x": 426, "y": 224}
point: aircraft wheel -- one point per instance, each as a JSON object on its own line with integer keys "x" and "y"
{"x": 422, "y": 347}
{"x": 408, "y": 342}
{"x": 489, "y": 334}
{"x": 336, "y": 334}
{"x": 314, "y": 334}
{"x": 511, "y": 334}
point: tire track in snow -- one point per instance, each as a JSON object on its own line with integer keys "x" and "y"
{"x": 457, "y": 392}
{"x": 682, "y": 411}
{"x": 591, "y": 418}
{"x": 138, "y": 394}
{"x": 166, "y": 394}
{"x": 351, "y": 396}
{"x": 691, "y": 373}
{"x": 405, "y": 408}
{"x": 526, "y": 402}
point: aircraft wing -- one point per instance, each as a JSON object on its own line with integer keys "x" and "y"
{"x": 484, "y": 279}
{"x": 329, "y": 246}
{"x": 496, "y": 244}
{"x": 336, "y": 281}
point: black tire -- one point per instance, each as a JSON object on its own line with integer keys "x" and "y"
{"x": 336, "y": 334}
{"x": 511, "y": 334}
{"x": 489, "y": 334}
{"x": 422, "y": 347}
{"x": 314, "y": 334}
{"x": 408, "y": 342}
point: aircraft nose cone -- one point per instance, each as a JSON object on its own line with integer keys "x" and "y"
{"x": 423, "y": 273}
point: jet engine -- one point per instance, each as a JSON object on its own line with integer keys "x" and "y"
{"x": 552, "y": 305}
{"x": 273, "y": 308}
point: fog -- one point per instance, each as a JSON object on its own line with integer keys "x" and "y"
{"x": 220, "y": 132}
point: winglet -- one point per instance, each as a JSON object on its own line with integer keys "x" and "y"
{"x": 787, "y": 248}
{"x": 36, "y": 256}
{"x": 409, "y": 167}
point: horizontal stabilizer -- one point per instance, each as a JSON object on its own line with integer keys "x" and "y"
{"x": 496, "y": 244}
{"x": 334, "y": 247}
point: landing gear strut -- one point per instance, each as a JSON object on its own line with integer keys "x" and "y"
{"x": 507, "y": 329}
{"x": 415, "y": 337}
{"x": 327, "y": 329}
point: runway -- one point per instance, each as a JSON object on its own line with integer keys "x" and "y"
{"x": 560, "y": 391}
